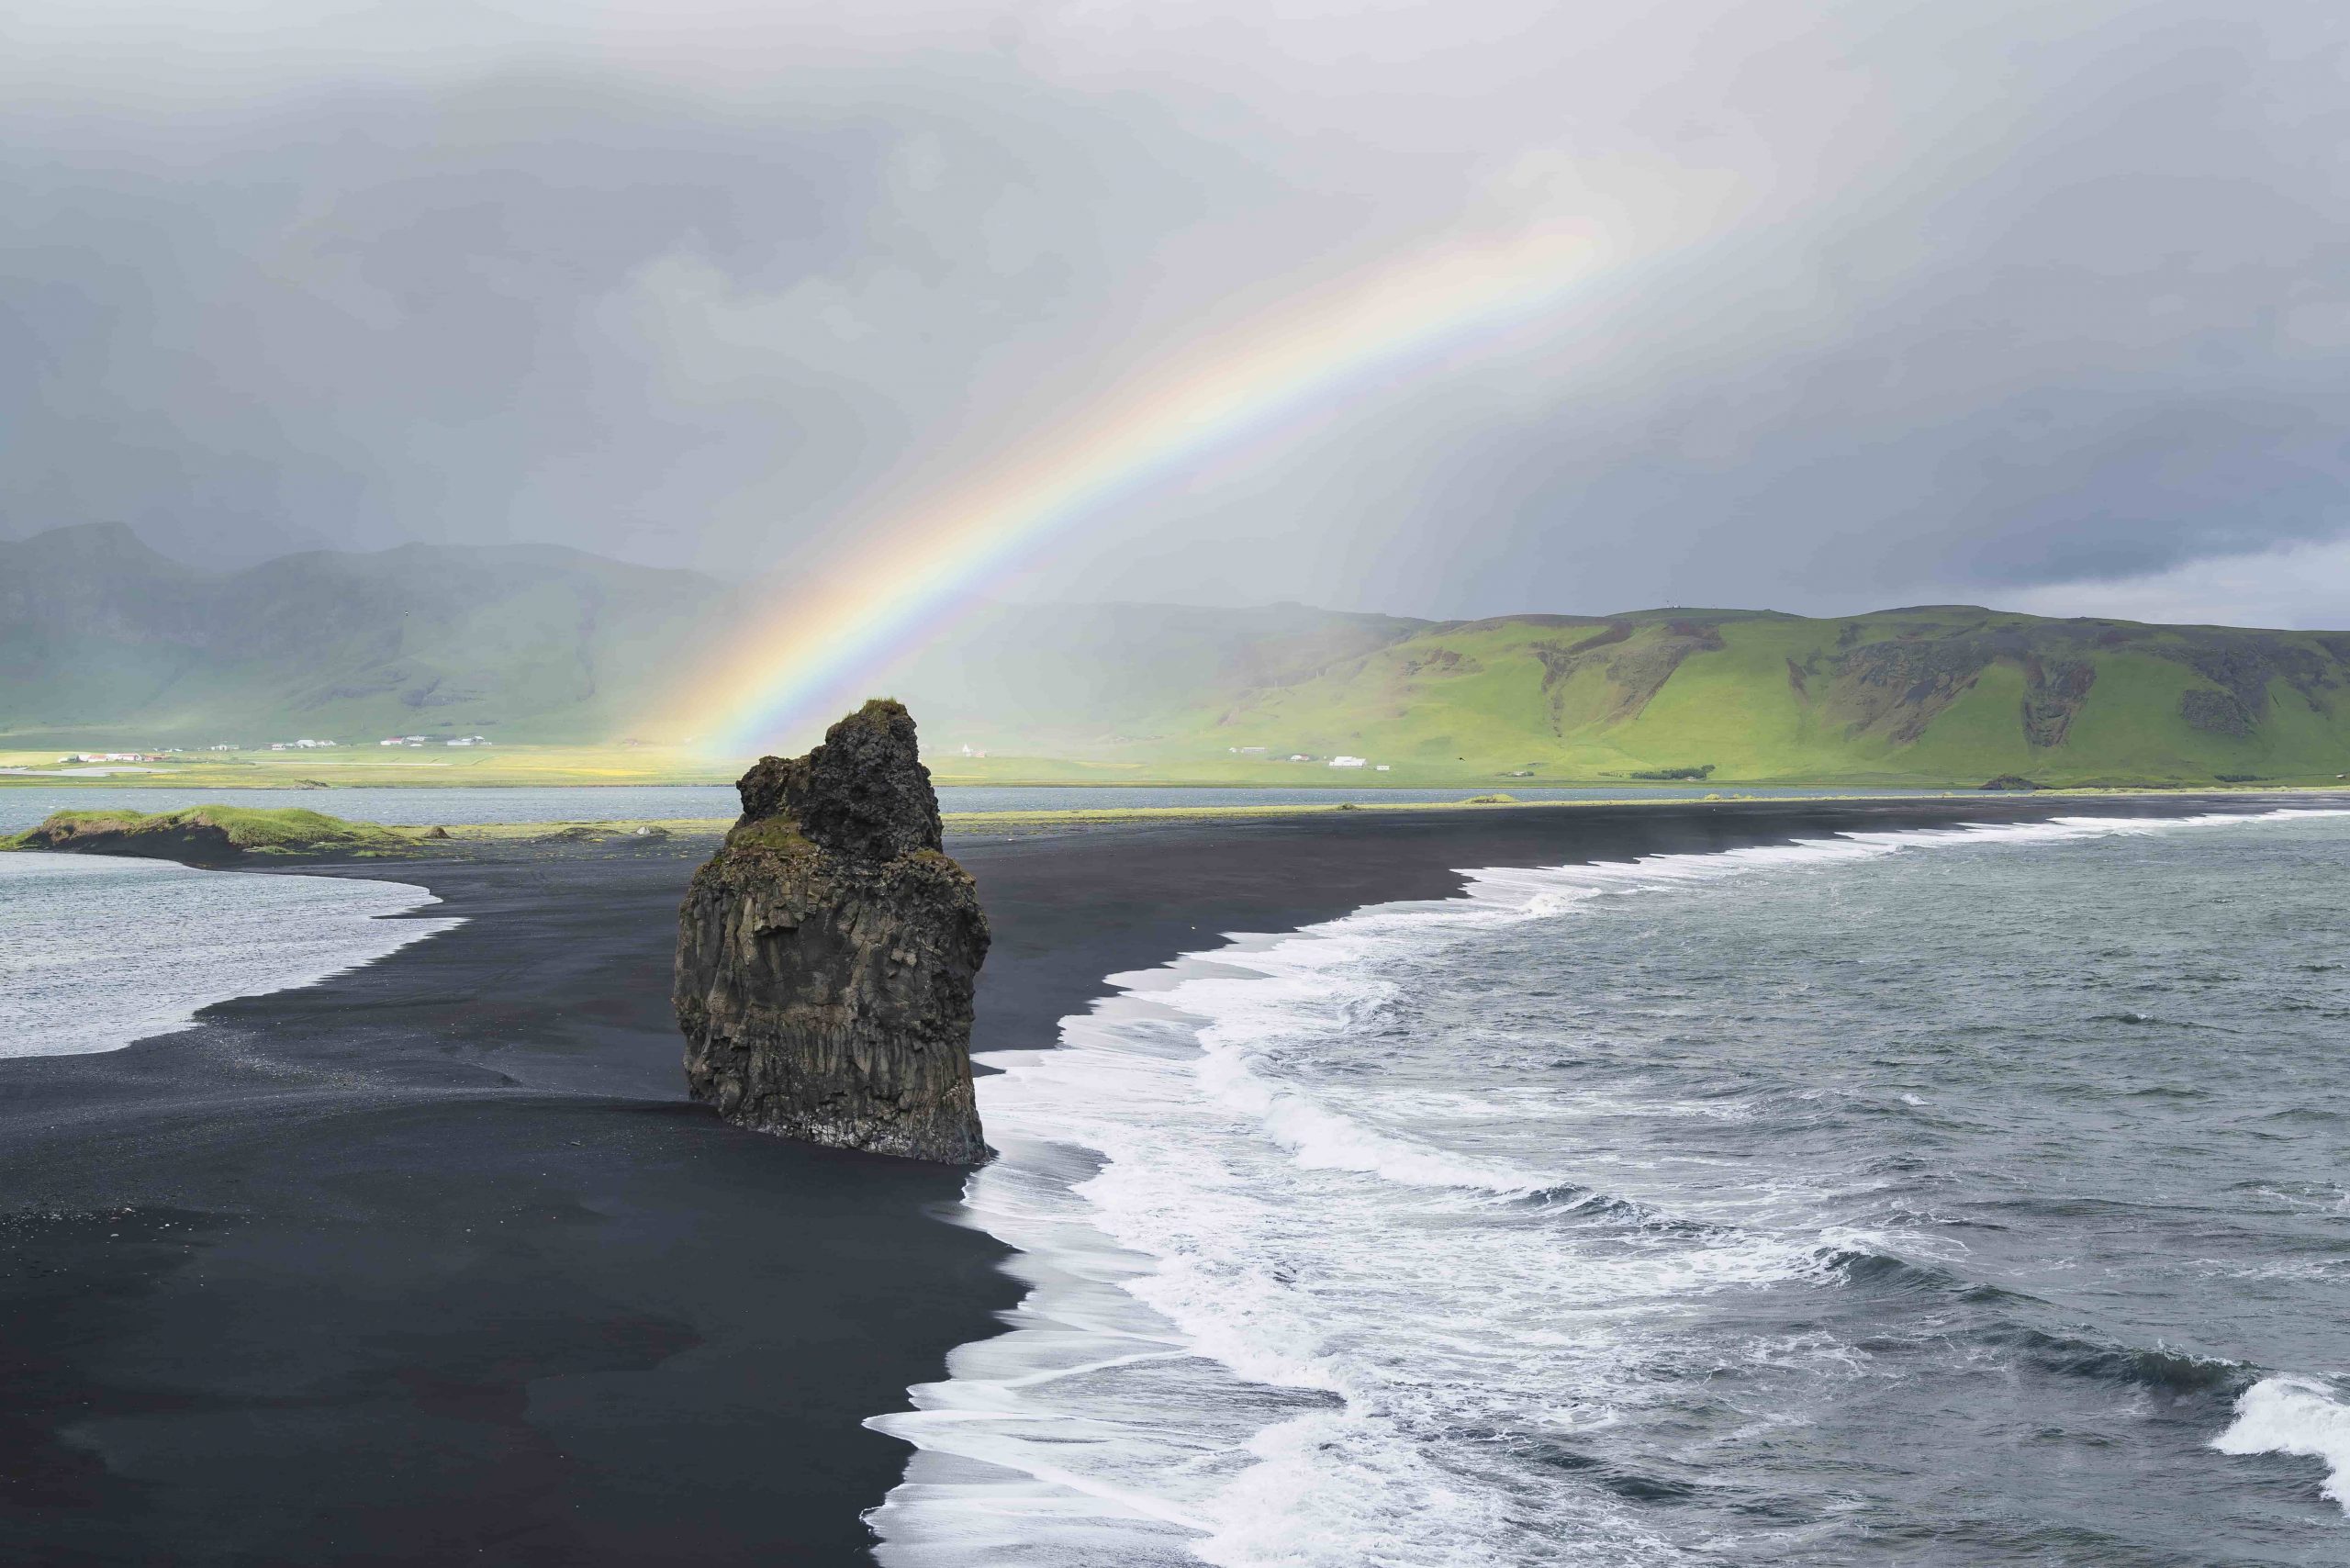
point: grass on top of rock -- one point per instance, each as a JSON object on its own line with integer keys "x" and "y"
{"x": 780, "y": 832}
{"x": 208, "y": 833}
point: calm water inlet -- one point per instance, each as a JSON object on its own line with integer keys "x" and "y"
{"x": 95, "y": 953}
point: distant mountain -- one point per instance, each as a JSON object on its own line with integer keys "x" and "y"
{"x": 100, "y": 635}
{"x": 104, "y": 640}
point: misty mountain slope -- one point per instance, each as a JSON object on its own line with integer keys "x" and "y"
{"x": 106, "y": 641}
{"x": 1940, "y": 692}
{"x": 1085, "y": 677}
{"x": 99, "y": 634}
{"x": 93, "y": 623}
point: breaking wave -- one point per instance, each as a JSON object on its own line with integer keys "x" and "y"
{"x": 1312, "y": 1281}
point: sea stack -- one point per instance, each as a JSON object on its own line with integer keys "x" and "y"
{"x": 826, "y": 954}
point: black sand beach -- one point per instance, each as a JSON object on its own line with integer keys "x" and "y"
{"x": 432, "y": 1262}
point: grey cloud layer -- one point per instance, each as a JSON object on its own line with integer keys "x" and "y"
{"x": 1993, "y": 297}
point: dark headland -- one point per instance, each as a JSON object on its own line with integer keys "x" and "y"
{"x": 434, "y": 1262}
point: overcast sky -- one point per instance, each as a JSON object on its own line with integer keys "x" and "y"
{"x": 2042, "y": 303}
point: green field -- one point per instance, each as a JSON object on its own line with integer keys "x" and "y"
{"x": 348, "y": 766}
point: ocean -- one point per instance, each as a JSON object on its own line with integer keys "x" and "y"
{"x": 1948, "y": 1198}
{"x": 95, "y": 953}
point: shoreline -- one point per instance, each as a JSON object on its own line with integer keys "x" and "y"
{"x": 140, "y": 780}
{"x": 453, "y": 834}
{"x": 433, "y": 1259}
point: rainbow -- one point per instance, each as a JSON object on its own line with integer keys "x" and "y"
{"x": 919, "y": 571}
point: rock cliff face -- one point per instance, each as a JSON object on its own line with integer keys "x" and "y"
{"x": 826, "y": 954}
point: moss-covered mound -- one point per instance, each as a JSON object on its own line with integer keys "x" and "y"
{"x": 208, "y": 835}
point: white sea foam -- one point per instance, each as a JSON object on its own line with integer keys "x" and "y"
{"x": 2295, "y": 1416}
{"x": 1265, "y": 1302}
{"x": 97, "y": 953}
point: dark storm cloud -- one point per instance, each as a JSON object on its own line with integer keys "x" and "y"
{"x": 358, "y": 316}
{"x": 1985, "y": 301}
{"x": 2085, "y": 320}
{"x": 557, "y": 302}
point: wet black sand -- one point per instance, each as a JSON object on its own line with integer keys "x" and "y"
{"x": 429, "y": 1263}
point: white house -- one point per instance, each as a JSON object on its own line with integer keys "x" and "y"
{"x": 1349, "y": 762}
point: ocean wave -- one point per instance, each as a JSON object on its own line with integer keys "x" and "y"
{"x": 1213, "y": 1205}
{"x": 2158, "y": 1367}
{"x": 2295, "y": 1416}
{"x": 1886, "y": 1272}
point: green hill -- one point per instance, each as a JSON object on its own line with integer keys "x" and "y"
{"x": 1941, "y": 693}
{"x": 105, "y": 643}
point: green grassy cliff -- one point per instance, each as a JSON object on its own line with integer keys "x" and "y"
{"x": 1939, "y": 694}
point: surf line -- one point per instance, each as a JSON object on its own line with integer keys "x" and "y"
{"x": 979, "y": 1490}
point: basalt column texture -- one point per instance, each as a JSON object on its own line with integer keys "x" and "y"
{"x": 826, "y": 954}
